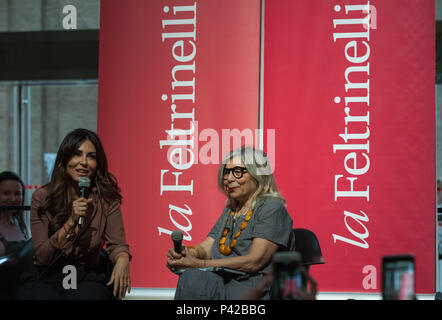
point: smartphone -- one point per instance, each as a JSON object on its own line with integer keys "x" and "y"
{"x": 398, "y": 277}
{"x": 287, "y": 280}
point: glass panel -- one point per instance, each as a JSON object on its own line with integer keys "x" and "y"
{"x": 57, "y": 110}
{"x": 31, "y": 15}
{"x": 34, "y": 120}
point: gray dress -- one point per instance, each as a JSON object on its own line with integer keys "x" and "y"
{"x": 270, "y": 220}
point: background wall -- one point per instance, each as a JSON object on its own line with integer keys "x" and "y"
{"x": 56, "y": 107}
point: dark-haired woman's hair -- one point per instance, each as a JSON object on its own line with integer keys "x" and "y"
{"x": 59, "y": 199}
{"x": 20, "y": 214}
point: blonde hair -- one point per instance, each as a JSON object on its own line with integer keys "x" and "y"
{"x": 258, "y": 166}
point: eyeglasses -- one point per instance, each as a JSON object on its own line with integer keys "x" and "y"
{"x": 237, "y": 172}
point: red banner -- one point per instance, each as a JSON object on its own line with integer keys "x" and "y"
{"x": 349, "y": 88}
{"x": 178, "y": 84}
{"x": 348, "y": 98}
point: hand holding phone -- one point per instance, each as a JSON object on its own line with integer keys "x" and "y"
{"x": 288, "y": 281}
{"x": 398, "y": 277}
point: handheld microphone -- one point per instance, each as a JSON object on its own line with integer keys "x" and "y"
{"x": 177, "y": 238}
{"x": 84, "y": 185}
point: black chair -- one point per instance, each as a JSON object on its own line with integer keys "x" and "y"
{"x": 12, "y": 266}
{"x": 307, "y": 244}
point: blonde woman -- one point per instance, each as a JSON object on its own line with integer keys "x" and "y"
{"x": 252, "y": 227}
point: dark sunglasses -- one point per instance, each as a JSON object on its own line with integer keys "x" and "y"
{"x": 236, "y": 171}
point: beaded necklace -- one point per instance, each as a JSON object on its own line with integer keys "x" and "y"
{"x": 227, "y": 250}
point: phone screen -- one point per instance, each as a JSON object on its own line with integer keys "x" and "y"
{"x": 398, "y": 278}
{"x": 287, "y": 280}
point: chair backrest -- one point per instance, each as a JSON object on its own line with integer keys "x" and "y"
{"x": 307, "y": 244}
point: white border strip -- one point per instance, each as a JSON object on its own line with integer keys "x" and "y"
{"x": 168, "y": 294}
{"x": 150, "y": 294}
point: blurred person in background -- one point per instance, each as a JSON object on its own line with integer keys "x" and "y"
{"x": 13, "y": 230}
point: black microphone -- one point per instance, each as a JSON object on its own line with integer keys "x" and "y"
{"x": 177, "y": 238}
{"x": 84, "y": 185}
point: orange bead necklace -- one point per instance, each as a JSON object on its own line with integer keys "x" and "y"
{"x": 227, "y": 250}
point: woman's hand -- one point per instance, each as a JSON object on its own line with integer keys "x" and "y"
{"x": 184, "y": 260}
{"x": 172, "y": 255}
{"x": 79, "y": 208}
{"x": 188, "y": 257}
{"x": 120, "y": 276}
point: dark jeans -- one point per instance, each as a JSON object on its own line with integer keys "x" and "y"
{"x": 90, "y": 285}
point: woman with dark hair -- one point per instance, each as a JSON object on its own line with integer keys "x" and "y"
{"x": 13, "y": 230}
{"x": 252, "y": 227}
{"x": 60, "y": 240}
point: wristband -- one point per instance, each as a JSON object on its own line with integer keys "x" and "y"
{"x": 198, "y": 255}
{"x": 67, "y": 232}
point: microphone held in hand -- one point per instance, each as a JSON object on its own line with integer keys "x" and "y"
{"x": 177, "y": 238}
{"x": 84, "y": 185}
